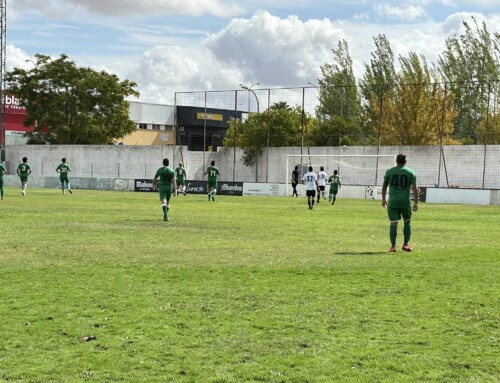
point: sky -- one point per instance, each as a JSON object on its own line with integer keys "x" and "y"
{"x": 169, "y": 46}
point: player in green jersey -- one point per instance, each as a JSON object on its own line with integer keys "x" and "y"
{"x": 180, "y": 175}
{"x": 212, "y": 173}
{"x": 2, "y": 172}
{"x": 334, "y": 182}
{"x": 63, "y": 169}
{"x": 23, "y": 171}
{"x": 165, "y": 179}
{"x": 400, "y": 179}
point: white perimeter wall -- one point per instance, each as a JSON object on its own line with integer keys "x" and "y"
{"x": 466, "y": 166}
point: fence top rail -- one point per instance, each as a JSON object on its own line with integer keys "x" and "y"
{"x": 341, "y": 155}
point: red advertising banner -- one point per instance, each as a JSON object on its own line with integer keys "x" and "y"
{"x": 12, "y": 106}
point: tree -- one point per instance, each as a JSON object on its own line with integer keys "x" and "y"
{"x": 338, "y": 114}
{"x": 489, "y": 127}
{"x": 469, "y": 62}
{"x": 70, "y": 104}
{"x": 278, "y": 126}
{"x": 421, "y": 112}
{"x": 378, "y": 86}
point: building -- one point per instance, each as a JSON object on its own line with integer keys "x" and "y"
{"x": 155, "y": 124}
{"x": 203, "y": 129}
{"x": 198, "y": 128}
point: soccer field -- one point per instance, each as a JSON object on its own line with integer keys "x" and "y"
{"x": 96, "y": 287}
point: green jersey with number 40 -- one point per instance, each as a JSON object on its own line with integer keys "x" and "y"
{"x": 399, "y": 179}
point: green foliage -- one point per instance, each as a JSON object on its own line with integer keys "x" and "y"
{"x": 70, "y": 104}
{"x": 416, "y": 104}
{"x": 339, "y": 117}
{"x": 421, "y": 113}
{"x": 247, "y": 289}
{"x": 489, "y": 130}
{"x": 377, "y": 86}
{"x": 378, "y": 81}
{"x": 278, "y": 126}
{"x": 469, "y": 62}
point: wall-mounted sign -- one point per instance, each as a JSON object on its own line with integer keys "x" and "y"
{"x": 12, "y": 105}
{"x": 209, "y": 116}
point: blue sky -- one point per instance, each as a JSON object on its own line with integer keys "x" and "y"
{"x": 170, "y": 46}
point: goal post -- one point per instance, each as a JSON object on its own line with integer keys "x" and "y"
{"x": 354, "y": 169}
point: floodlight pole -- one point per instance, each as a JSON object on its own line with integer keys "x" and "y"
{"x": 3, "y": 45}
{"x": 249, "y": 88}
{"x": 243, "y": 86}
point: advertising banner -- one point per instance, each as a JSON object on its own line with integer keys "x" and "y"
{"x": 264, "y": 189}
{"x": 230, "y": 188}
{"x": 422, "y": 194}
{"x": 144, "y": 185}
{"x": 375, "y": 192}
{"x": 196, "y": 187}
{"x": 223, "y": 187}
{"x": 11, "y": 105}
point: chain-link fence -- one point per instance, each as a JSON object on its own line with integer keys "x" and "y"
{"x": 454, "y": 166}
{"x": 415, "y": 114}
{"x": 435, "y": 118}
{"x": 432, "y": 144}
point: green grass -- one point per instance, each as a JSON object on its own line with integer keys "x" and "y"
{"x": 245, "y": 289}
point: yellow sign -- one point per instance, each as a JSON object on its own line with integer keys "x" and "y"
{"x": 209, "y": 116}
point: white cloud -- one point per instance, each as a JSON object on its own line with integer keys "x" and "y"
{"x": 164, "y": 70}
{"x": 403, "y": 12}
{"x": 362, "y": 16}
{"x": 72, "y": 8}
{"x": 453, "y": 25}
{"x": 17, "y": 58}
{"x": 275, "y": 51}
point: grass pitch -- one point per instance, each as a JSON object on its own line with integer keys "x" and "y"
{"x": 96, "y": 287}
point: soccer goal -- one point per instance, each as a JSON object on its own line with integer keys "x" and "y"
{"x": 354, "y": 169}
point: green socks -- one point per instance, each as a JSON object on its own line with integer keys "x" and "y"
{"x": 393, "y": 233}
{"x": 407, "y": 231}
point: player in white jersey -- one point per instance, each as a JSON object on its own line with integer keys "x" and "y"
{"x": 322, "y": 177}
{"x": 310, "y": 180}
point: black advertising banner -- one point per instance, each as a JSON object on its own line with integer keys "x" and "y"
{"x": 223, "y": 187}
{"x": 422, "y": 194}
{"x": 230, "y": 188}
{"x": 194, "y": 187}
{"x": 144, "y": 185}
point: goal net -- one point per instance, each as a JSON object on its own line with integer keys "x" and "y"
{"x": 360, "y": 170}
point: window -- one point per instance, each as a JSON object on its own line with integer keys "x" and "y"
{"x": 156, "y": 127}
{"x": 143, "y": 126}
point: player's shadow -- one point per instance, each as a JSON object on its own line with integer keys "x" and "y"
{"x": 361, "y": 253}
